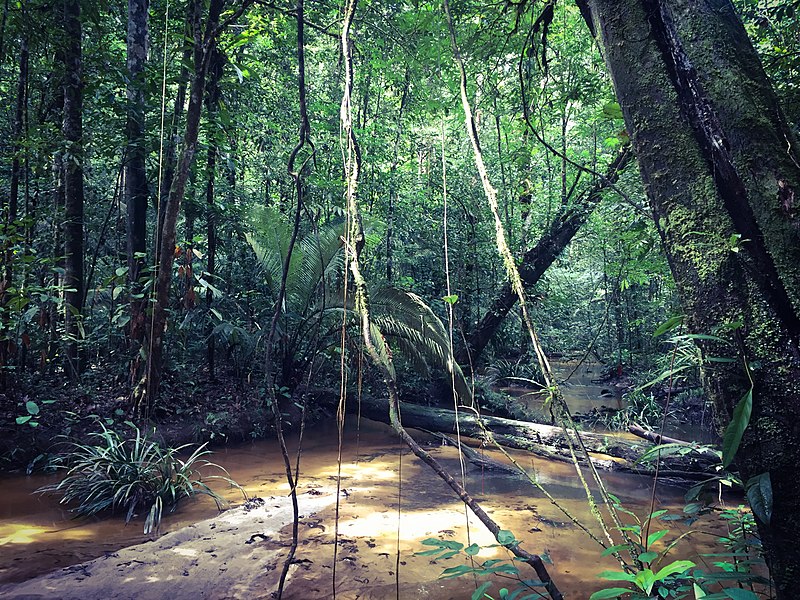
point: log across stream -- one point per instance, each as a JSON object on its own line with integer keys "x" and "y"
{"x": 609, "y": 451}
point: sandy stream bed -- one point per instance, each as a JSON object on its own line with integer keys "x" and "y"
{"x": 239, "y": 553}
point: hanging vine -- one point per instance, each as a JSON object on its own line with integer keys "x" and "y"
{"x": 554, "y": 393}
{"x": 374, "y": 343}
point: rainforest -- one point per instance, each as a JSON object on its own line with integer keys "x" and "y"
{"x": 367, "y": 299}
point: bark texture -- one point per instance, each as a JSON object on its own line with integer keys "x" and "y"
{"x": 609, "y": 452}
{"x": 155, "y": 360}
{"x": 719, "y": 166}
{"x": 136, "y": 153}
{"x": 135, "y": 176}
{"x": 72, "y": 130}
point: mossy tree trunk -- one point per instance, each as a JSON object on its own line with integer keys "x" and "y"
{"x": 719, "y": 166}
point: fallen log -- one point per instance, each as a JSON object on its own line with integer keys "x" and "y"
{"x": 607, "y": 450}
{"x": 475, "y": 457}
{"x": 654, "y": 437}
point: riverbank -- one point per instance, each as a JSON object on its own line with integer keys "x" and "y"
{"x": 221, "y": 557}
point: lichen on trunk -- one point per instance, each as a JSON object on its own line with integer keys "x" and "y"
{"x": 718, "y": 165}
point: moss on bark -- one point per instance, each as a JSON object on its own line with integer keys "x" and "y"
{"x": 718, "y": 165}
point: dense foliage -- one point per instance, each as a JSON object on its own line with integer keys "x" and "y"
{"x": 608, "y": 288}
{"x": 172, "y": 216}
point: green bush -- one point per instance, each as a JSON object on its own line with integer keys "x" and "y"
{"x": 134, "y": 474}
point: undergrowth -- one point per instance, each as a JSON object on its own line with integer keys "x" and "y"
{"x": 134, "y": 475}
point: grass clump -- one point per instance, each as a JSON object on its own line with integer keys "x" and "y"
{"x": 133, "y": 475}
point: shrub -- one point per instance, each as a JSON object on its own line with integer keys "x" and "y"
{"x": 134, "y": 474}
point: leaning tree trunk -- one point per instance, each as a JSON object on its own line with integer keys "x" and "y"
{"x": 539, "y": 258}
{"x": 73, "y": 185}
{"x": 718, "y": 163}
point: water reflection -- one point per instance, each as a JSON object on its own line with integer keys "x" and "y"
{"x": 38, "y": 535}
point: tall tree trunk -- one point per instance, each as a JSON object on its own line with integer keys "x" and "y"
{"x": 212, "y": 106}
{"x": 155, "y": 358}
{"x": 73, "y": 185}
{"x": 3, "y": 21}
{"x": 136, "y": 153}
{"x": 393, "y": 183}
{"x": 10, "y": 211}
{"x": 539, "y": 258}
{"x": 719, "y": 166}
{"x": 170, "y": 151}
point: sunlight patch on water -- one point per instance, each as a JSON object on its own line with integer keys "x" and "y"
{"x": 19, "y": 533}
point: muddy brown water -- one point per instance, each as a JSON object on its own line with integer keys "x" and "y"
{"x": 37, "y": 535}
{"x": 583, "y": 392}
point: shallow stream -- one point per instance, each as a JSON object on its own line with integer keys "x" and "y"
{"x": 37, "y": 534}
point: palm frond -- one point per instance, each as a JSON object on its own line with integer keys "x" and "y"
{"x": 405, "y": 318}
{"x": 321, "y": 257}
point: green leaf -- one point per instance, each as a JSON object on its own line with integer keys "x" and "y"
{"x": 505, "y": 537}
{"x": 740, "y": 594}
{"x": 609, "y": 593}
{"x": 645, "y": 580}
{"x": 450, "y": 545}
{"x": 32, "y": 407}
{"x": 451, "y": 299}
{"x": 455, "y": 571}
{"x": 698, "y": 591}
{"x": 429, "y": 552}
{"x": 472, "y": 549}
{"x": 478, "y": 593}
{"x": 759, "y": 495}
{"x": 613, "y": 549}
{"x": 648, "y": 557}
{"x": 612, "y": 110}
{"x": 23, "y": 420}
{"x": 431, "y": 542}
{"x": 679, "y": 566}
{"x": 616, "y": 576}
{"x": 654, "y": 537}
{"x": 668, "y": 325}
{"x": 735, "y": 429}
